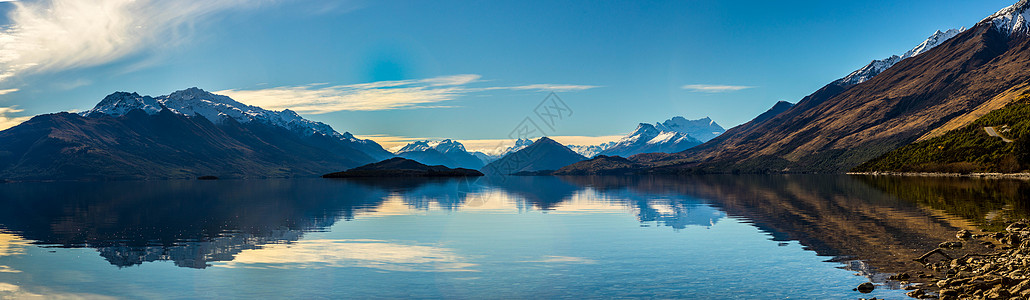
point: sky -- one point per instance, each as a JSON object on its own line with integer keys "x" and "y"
{"x": 397, "y": 71}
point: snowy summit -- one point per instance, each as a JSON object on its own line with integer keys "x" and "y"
{"x": 1011, "y": 19}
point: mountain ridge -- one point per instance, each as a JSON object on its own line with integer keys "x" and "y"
{"x": 128, "y": 136}
{"x": 839, "y": 127}
{"x": 446, "y": 152}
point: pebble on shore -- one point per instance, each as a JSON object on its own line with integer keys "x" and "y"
{"x": 1004, "y": 274}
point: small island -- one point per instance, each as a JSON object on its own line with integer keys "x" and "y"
{"x": 403, "y": 167}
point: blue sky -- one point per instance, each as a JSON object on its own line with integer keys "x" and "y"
{"x": 468, "y": 70}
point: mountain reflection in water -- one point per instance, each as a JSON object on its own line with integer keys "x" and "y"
{"x": 876, "y": 224}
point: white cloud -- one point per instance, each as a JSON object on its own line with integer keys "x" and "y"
{"x": 54, "y": 35}
{"x": 713, "y": 88}
{"x": 8, "y": 121}
{"x": 7, "y": 91}
{"x": 321, "y": 98}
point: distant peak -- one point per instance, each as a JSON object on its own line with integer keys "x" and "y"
{"x": 445, "y": 146}
{"x": 122, "y": 94}
{"x": 547, "y": 141}
{"x": 118, "y": 96}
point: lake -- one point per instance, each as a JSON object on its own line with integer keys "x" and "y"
{"x": 700, "y": 237}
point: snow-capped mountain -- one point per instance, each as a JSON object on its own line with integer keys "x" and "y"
{"x": 701, "y": 129}
{"x": 215, "y": 108}
{"x": 444, "y": 146}
{"x": 1012, "y": 19}
{"x": 591, "y": 150}
{"x": 185, "y": 134}
{"x": 878, "y": 66}
{"x": 672, "y": 135}
{"x": 219, "y": 109}
{"x": 447, "y": 152}
{"x": 648, "y": 138}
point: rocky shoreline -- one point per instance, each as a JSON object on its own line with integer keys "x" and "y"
{"x": 1024, "y": 176}
{"x": 989, "y": 265}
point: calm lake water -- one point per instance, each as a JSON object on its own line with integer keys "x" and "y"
{"x": 705, "y": 237}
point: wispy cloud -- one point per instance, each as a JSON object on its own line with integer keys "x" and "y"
{"x": 8, "y": 121}
{"x": 322, "y": 98}
{"x": 7, "y": 91}
{"x": 715, "y": 88}
{"x": 54, "y": 35}
{"x": 546, "y": 87}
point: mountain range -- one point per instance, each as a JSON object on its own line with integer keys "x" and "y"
{"x": 185, "y": 134}
{"x": 945, "y": 84}
{"x": 446, "y": 152}
{"x": 672, "y": 135}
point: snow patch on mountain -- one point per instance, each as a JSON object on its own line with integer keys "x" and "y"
{"x": 663, "y": 137}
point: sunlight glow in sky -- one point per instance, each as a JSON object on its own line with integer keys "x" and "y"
{"x": 465, "y": 70}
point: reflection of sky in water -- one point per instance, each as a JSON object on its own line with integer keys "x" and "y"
{"x": 669, "y": 210}
{"x": 10, "y": 245}
{"x": 352, "y": 253}
{"x": 526, "y": 238}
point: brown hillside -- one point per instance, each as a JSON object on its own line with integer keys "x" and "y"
{"x": 894, "y": 108}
